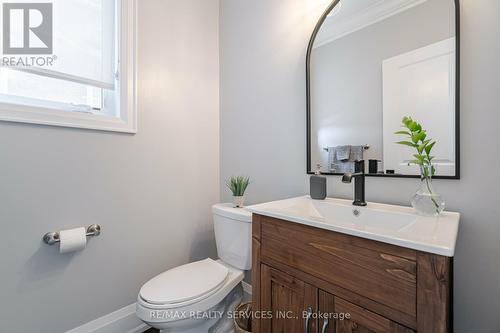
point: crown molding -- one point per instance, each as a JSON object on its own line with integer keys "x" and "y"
{"x": 334, "y": 29}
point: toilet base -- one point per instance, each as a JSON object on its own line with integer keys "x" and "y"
{"x": 221, "y": 321}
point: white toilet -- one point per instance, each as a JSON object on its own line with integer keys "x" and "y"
{"x": 195, "y": 298}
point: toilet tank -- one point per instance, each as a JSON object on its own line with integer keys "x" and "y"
{"x": 233, "y": 235}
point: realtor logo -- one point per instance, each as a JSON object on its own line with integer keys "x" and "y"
{"x": 27, "y": 28}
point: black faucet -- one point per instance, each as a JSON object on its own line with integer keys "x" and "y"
{"x": 359, "y": 182}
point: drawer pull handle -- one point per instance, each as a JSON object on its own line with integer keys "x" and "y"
{"x": 308, "y": 319}
{"x": 325, "y": 326}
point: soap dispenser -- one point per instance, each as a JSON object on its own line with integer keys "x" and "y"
{"x": 317, "y": 185}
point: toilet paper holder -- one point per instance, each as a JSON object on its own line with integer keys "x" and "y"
{"x": 51, "y": 238}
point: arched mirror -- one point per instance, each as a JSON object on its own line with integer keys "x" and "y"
{"x": 369, "y": 64}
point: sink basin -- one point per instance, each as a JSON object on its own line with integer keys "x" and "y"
{"x": 391, "y": 224}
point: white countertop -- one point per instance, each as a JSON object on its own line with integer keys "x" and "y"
{"x": 397, "y": 225}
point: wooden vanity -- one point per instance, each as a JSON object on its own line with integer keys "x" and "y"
{"x": 305, "y": 277}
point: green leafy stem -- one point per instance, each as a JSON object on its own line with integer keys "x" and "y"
{"x": 416, "y": 137}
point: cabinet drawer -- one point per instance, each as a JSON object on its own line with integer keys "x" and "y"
{"x": 381, "y": 272}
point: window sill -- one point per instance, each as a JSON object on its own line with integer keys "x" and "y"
{"x": 52, "y": 117}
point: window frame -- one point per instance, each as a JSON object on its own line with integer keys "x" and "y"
{"x": 126, "y": 119}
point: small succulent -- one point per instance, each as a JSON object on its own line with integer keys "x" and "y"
{"x": 417, "y": 138}
{"x": 238, "y": 185}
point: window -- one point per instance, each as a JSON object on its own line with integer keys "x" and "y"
{"x": 85, "y": 79}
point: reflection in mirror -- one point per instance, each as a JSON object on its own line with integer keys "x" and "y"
{"x": 372, "y": 63}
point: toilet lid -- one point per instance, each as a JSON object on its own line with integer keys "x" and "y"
{"x": 228, "y": 210}
{"x": 185, "y": 282}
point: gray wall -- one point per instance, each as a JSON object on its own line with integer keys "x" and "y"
{"x": 262, "y": 95}
{"x": 346, "y": 77}
{"x": 146, "y": 190}
{"x": 263, "y": 132}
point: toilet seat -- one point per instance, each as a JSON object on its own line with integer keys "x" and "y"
{"x": 202, "y": 303}
{"x": 185, "y": 284}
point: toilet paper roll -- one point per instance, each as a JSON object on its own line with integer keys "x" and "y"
{"x": 72, "y": 240}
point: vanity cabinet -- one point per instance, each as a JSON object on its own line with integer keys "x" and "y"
{"x": 305, "y": 279}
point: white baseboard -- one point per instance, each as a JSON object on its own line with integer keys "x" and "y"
{"x": 120, "y": 321}
{"x": 247, "y": 288}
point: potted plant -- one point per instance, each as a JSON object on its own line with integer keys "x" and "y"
{"x": 238, "y": 186}
{"x": 426, "y": 201}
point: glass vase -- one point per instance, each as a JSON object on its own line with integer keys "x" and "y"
{"x": 426, "y": 201}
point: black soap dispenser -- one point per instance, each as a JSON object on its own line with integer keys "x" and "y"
{"x": 317, "y": 185}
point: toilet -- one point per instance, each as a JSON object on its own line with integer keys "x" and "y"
{"x": 197, "y": 297}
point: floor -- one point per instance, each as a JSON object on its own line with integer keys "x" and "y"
{"x": 152, "y": 330}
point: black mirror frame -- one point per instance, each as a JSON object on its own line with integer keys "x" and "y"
{"x": 457, "y": 97}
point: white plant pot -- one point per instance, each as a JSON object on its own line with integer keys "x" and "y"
{"x": 238, "y": 201}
